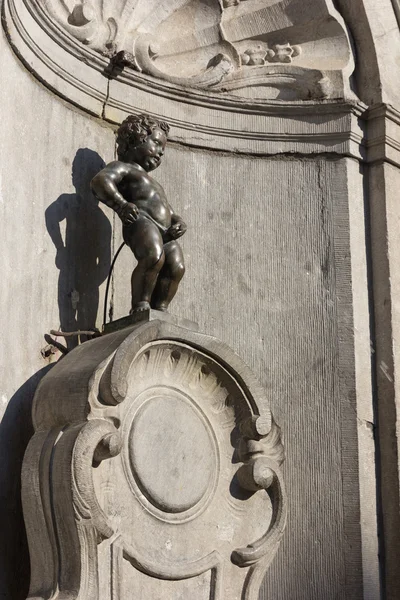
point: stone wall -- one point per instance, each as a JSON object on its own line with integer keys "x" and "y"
{"x": 42, "y": 138}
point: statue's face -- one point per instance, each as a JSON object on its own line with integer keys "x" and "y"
{"x": 148, "y": 154}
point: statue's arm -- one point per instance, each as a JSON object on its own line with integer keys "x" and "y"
{"x": 175, "y": 218}
{"x": 105, "y": 187}
{"x": 55, "y": 213}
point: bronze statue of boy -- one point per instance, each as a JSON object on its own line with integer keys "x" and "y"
{"x": 150, "y": 226}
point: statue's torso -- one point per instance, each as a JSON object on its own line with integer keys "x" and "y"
{"x": 148, "y": 195}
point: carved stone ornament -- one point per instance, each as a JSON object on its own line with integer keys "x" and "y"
{"x": 154, "y": 471}
{"x": 217, "y": 54}
{"x": 201, "y": 44}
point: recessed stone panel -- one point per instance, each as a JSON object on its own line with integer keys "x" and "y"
{"x": 171, "y": 452}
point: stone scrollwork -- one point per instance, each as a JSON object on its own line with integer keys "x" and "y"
{"x": 208, "y": 44}
{"x": 156, "y": 472}
{"x": 262, "y": 454}
{"x": 242, "y": 65}
{"x": 87, "y": 22}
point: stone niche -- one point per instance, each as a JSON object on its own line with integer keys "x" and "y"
{"x": 154, "y": 471}
{"x": 211, "y": 68}
{"x": 270, "y": 84}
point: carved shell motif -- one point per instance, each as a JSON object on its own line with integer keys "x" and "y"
{"x": 221, "y": 44}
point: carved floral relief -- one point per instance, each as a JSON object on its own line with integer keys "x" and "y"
{"x": 236, "y": 61}
{"x": 221, "y": 45}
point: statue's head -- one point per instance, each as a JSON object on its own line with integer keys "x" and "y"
{"x": 86, "y": 164}
{"x": 142, "y": 139}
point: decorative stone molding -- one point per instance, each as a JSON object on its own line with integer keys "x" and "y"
{"x": 144, "y": 477}
{"x": 229, "y": 62}
{"x": 396, "y": 8}
{"x": 198, "y": 44}
{"x": 383, "y": 141}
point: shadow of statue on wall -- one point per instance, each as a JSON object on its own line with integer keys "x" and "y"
{"x": 16, "y": 429}
{"x": 83, "y": 247}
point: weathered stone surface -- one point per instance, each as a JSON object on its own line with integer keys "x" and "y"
{"x": 156, "y": 461}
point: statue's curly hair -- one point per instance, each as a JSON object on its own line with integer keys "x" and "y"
{"x": 135, "y": 129}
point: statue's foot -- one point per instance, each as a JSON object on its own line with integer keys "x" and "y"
{"x": 162, "y": 307}
{"x": 140, "y": 307}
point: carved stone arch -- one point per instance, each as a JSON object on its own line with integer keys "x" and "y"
{"x": 308, "y": 35}
{"x": 376, "y": 34}
{"x": 214, "y": 69}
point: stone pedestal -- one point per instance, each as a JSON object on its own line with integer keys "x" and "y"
{"x": 147, "y": 473}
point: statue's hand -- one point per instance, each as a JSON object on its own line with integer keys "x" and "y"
{"x": 176, "y": 230}
{"x": 128, "y": 213}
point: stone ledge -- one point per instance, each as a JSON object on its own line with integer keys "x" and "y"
{"x": 146, "y": 316}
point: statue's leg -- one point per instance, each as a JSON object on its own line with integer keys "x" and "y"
{"x": 169, "y": 277}
{"x": 146, "y": 243}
